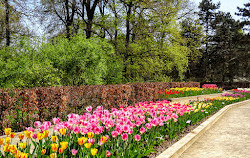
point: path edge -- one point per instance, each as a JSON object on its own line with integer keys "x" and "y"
{"x": 184, "y": 143}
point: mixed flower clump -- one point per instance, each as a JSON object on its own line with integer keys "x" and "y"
{"x": 121, "y": 132}
{"x": 241, "y": 91}
{"x": 233, "y": 95}
{"x": 200, "y": 106}
{"x": 209, "y": 86}
{"x": 188, "y": 91}
{"x": 223, "y": 98}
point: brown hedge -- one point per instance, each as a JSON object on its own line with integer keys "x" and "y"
{"x": 19, "y": 108}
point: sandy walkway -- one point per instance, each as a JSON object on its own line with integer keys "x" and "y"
{"x": 229, "y": 137}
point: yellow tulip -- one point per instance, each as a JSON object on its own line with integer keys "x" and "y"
{"x": 93, "y": 151}
{"x": 90, "y": 134}
{"x": 13, "y": 149}
{"x": 43, "y": 151}
{"x": 46, "y": 133}
{"x": 6, "y": 148}
{"x": 87, "y": 145}
{"x": 82, "y": 140}
{"x": 1, "y": 141}
{"x": 7, "y": 140}
{"x": 12, "y": 135}
{"x": 60, "y": 150}
{"x": 53, "y": 155}
{"x": 24, "y": 155}
{"x": 7, "y": 131}
{"x": 54, "y": 147}
{"x": 17, "y": 154}
{"x": 40, "y": 136}
{"x": 21, "y": 136}
{"x": 63, "y": 131}
{"x": 28, "y": 134}
{"x": 53, "y": 138}
{"x": 64, "y": 145}
{"x": 103, "y": 139}
{"x": 23, "y": 145}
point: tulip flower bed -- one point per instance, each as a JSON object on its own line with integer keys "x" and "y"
{"x": 188, "y": 91}
{"x": 121, "y": 132}
{"x": 238, "y": 93}
{"x": 20, "y": 107}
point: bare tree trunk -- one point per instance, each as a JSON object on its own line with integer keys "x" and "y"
{"x": 7, "y": 11}
{"x": 67, "y": 19}
{"x": 89, "y": 28}
{"x": 128, "y": 24}
{"x": 90, "y": 14}
{"x": 129, "y": 5}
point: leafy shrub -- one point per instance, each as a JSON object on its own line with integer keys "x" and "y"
{"x": 79, "y": 61}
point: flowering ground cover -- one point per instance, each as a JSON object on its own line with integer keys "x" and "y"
{"x": 188, "y": 91}
{"x": 121, "y": 132}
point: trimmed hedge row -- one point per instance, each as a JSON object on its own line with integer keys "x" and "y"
{"x": 20, "y": 107}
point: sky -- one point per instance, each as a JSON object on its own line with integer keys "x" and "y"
{"x": 228, "y": 6}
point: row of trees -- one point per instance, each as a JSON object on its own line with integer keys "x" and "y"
{"x": 226, "y": 47}
{"x": 152, "y": 40}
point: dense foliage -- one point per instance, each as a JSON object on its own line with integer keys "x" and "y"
{"x": 119, "y": 41}
{"x": 76, "y": 62}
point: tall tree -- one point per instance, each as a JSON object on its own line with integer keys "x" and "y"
{"x": 225, "y": 51}
{"x": 206, "y": 15}
{"x": 245, "y": 13}
{"x": 11, "y": 27}
{"x": 58, "y": 13}
{"x": 192, "y": 33}
{"x": 7, "y": 19}
{"x": 88, "y": 7}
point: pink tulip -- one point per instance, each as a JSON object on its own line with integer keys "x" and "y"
{"x": 100, "y": 143}
{"x": 47, "y": 124}
{"x": 56, "y": 120}
{"x": 126, "y": 128}
{"x": 74, "y": 151}
{"x": 99, "y": 108}
{"x": 76, "y": 129}
{"x": 107, "y": 137}
{"x": 108, "y": 154}
{"x": 34, "y": 136}
{"x": 142, "y": 130}
{"x": 149, "y": 126}
{"x": 130, "y": 131}
{"x": 91, "y": 140}
{"x": 70, "y": 128}
{"x": 30, "y": 129}
{"x": 137, "y": 137}
{"x": 124, "y": 136}
{"x": 89, "y": 108}
{"x": 37, "y": 124}
{"x": 114, "y": 134}
{"x": 83, "y": 131}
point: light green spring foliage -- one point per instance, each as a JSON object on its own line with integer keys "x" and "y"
{"x": 79, "y": 61}
{"x": 157, "y": 49}
{"x": 23, "y": 66}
